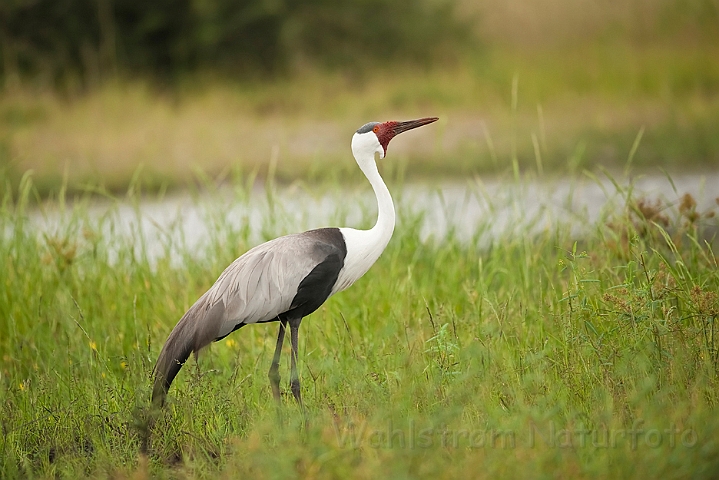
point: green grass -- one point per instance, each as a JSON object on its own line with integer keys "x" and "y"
{"x": 528, "y": 355}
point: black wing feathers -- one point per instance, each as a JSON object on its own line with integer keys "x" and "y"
{"x": 316, "y": 287}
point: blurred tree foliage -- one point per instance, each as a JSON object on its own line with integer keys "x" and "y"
{"x": 58, "y": 42}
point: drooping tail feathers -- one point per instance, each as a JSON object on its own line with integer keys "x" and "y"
{"x": 177, "y": 349}
{"x": 196, "y": 329}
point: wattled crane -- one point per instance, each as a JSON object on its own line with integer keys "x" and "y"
{"x": 286, "y": 279}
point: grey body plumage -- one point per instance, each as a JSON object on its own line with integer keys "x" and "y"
{"x": 287, "y": 277}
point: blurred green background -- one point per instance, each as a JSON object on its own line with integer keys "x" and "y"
{"x": 92, "y": 90}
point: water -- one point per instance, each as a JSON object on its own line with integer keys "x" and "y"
{"x": 474, "y": 209}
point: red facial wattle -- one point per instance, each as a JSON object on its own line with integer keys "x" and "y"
{"x": 388, "y": 130}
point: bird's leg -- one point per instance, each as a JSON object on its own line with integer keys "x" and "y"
{"x": 294, "y": 377}
{"x": 274, "y": 372}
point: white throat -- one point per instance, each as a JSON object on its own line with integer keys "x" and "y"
{"x": 364, "y": 247}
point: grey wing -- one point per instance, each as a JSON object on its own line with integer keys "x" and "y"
{"x": 290, "y": 275}
{"x": 262, "y": 283}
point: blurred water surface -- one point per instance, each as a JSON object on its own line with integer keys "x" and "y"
{"x": 475, "y": 210}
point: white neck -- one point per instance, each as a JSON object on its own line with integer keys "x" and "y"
{"x": 384, "y": 226}
{"x": 365, "y": 246}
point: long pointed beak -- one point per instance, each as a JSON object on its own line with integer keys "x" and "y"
{"x": 410, "y": 124}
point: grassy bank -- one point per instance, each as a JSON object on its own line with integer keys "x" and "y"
{"x": 548, "y": 108}
{"x": 536, "y": 354}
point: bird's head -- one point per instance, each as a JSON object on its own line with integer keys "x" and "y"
{"x": 374, "y": 137}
